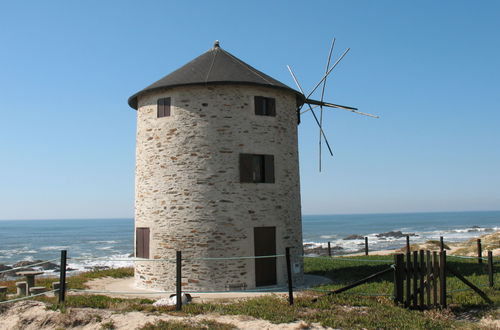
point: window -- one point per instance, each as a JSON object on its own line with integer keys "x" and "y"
{"x": 265, "y": 106}
{"x": 164, "y": 107}
{"x": 142, "y": 243}
{"x": 256, "y": 168}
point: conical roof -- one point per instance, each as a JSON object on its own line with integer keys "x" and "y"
{"x": 216, "y": 66}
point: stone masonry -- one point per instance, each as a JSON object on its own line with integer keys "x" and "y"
{"x": 188, "y": 189}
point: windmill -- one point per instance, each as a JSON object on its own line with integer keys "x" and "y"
{"x": 312, "y": 104}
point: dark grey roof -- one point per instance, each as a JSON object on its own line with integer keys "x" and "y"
{"x": 216, "y": 66}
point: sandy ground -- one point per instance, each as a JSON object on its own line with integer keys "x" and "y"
{"x": 33, "y": 315}
{"x": 127, "y": 285}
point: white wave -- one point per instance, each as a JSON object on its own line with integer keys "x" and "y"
{"x": 104, "y": 248}
{"x": 51, "y": 248}
{"x": 105, "y": 242}
{"x": 112, "y": 261}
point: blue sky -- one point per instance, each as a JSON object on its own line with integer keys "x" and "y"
{"x": 430, "y": 69}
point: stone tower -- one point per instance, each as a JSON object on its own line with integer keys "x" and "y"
{"x": 217, "y": 176}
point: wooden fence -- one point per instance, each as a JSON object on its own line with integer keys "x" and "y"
{"x": 420, "y": 279}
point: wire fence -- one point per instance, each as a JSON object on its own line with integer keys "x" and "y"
{"x": 328, "y": 289}
{"x": 27, "y": 297}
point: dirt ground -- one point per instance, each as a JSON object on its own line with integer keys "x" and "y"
{"x": 33, "y": 315}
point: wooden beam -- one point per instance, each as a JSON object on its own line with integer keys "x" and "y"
{"x": 469, "y": 284}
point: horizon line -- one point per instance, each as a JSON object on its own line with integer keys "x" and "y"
{"x": 309, "y": 214}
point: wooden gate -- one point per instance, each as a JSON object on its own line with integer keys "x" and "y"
{"x": 420, "y": 279}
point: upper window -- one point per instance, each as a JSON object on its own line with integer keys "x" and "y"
{"x": 265, "y": 106}
{"x": 256, "y": 168}
{"x": 164, "y": 107}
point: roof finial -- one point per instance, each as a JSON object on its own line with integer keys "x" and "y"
{"x": 216, "y": 44}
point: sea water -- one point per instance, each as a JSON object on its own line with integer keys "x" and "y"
{"x": 95, "y": 239}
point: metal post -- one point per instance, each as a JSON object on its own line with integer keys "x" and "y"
{"x": 407, "y": 244}
{"x": 289, "y": 275}
{"x": 479, "y": 252}
{"x": 441, "y": 243}
{"x": 442, "y": 279}
{"x": 490, "y": 268}
{"x": 62, "y": 277}
{"x": 178, "y": 293}
{"x": 329, "y": 250}
{"x": 366, "y": 246}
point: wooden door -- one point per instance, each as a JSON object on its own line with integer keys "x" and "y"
{"x": 142, "y": 243}
{"x": 265, "y": 245}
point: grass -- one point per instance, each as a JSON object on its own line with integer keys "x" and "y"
{"x": 75, "y": 281}
{"x": 178, "y": 325}
{"x": 368, "y": 306}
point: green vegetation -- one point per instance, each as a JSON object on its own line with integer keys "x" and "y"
{"x": 177, "y": 325}
{"x": 75, "y": 281}
{"x": 437, "y": 244}
{"x": 110, "y": 325}
{"x": 367, "y": 306}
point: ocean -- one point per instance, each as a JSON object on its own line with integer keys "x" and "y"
{"x": 113, "y": 238}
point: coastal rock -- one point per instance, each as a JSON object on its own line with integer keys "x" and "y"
{"x": 44, "y": 266}
{"x": 395, "y": 234}
{"x": 4, "y": 268}
{"x": 321, "y": 250}
{"x": 352, "y": 237}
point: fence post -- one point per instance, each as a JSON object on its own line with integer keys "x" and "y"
{"x": 408, "y": 244}
{"x": 435, "y": 275}
{"x": 422, "y": 279}
{"x": 428, "y": 268}
{"x": 398, "y": 278}
{"x": 442, "y": 279}
{"x": 408, "y": 279}
{"x": 490, "y": 268}
{"x": 178, "y": 286}
{"x": 329, "y": 249}
{"x": 62, "y": 277}
{"x": 289, "y": 275}
{"x": 415, "y": 279}
{"x": 479, "y": 252}
{"x": 366, "y": 246}
{"x": 441, "y": 244}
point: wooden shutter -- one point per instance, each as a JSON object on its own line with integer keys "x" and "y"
{"x": 142, "y": 243}
{"x": 164, "y": 107}
{"x": 269, "y": 168}
{"x": 271, "y": 106}
{"x": 246, "y": 173}
{"x": 259, "y": 102}
{"x": 160, "y": 108}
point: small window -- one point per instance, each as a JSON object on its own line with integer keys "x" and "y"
{"x": 265, "y": 106}
{"x": 256, "y": 168}
{"x": 142, "y": 243}
{"x": 164, "y": 107}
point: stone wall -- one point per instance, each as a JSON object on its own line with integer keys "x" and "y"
{"x": 188, "y": 191}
